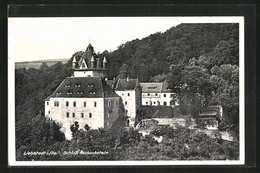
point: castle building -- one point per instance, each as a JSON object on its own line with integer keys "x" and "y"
{"x": 130, "y": 92}
{"x": 85, "y": 97}
{"x": 158, "y": 93}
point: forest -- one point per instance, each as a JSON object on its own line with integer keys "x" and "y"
{"x": 200, "y": 63}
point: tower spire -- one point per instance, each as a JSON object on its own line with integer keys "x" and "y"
{"x": 105, "y": 63}
{"x": 74, "y": 63}
{"x": 92, "y": 61}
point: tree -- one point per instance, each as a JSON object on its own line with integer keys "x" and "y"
{"x": 124, "y": 71}
{"x": 87, "y": 127}
{"x": 74, "y": 128}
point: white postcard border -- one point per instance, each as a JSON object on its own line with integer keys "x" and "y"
{"x": 11, "y": 107}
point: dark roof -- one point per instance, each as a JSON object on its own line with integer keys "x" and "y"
{"x": 157, "y": 112}
{"x": 126, "y": 84}
{"x": 87, "y": 55}
{"x": 151, "y": 87}
{"x": 165, "y": 88}
{"x": 155, "y": 87}
{"x": 83, "y": 87}
{"x": 213, "y": 110}
{"x": 209, "y": 113}
{"x": 108, "y": 92}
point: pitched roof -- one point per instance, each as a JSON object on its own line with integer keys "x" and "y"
{"x": 88, "y": 56}
{"x": 157, "y": 112}
{"x": 83, "y": 87}
{"x": 152, "y": 87}
{"x": 126, "y": 84}
{"x": 155, "y": 87}
{"x": 209, "y": 113}
{"x": 165, "y": 88}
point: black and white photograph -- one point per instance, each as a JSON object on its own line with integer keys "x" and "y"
{"x": 126, "y": 91}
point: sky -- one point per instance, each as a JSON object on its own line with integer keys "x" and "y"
{"x": 53, "y": 38}
{"x": 38, "y": 38}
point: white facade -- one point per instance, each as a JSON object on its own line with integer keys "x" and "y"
{"x": 66, "y": 111}
{"x": 151, "y": 99}
{"x": 156, "y": 99}
{"x": 130, "y": 105}
{"x": 89, "y": 73}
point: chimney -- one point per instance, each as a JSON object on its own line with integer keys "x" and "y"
{"x": 127, "y": 79}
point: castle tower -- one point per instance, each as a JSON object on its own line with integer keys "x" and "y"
{"x": 89, "y": 65}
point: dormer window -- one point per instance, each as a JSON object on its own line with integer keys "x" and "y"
{"x": 152, "y": 87}
{"x": 68, "y": 85}
{"x": 92, "y": 92}
{"x": 77, "y": 85}
{"x": 90, "y": 85}
{"x": 80, "y": 92}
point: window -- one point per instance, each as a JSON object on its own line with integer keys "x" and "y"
{"x": 85, "y": 104}
{"x": 82, "y": 115}
{"x": 126, "y": 111}
{"x": 158, "y": 102}
{"x": 73, "y": 115}
{"x": 56, "y": 103}
{"x": 147, "y": 103}
{"x": 74, "y": 104}
{"x": 49, "y": 112}
{"x": 67, "y": 103}
{"x": 90, "y": 115}
{"x": 172, "y": 95}
{"x": 154, "y": 103}
{"x": 125, "y": 103}
{"x": 122, "y": 94}
{"x": 114, "y": 103}
{"x": 164, "y": 95}
{"x": 107, "y": 123}
{"x": 128, "y": 94}
{"x": 95, "y": 104}
{"x": 109, "y": 114}
{"x": 148, "y": 94}
{"x": 68, "y": 114}
{"x": 156, "y": 94}
{"x": 109, "y": 103}
{"x": 47, "y": 103}
{"x": 164, "y": 103}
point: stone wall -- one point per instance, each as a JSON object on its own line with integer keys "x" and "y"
{"x": 111, "y": 111}
{"x": 59, "y": 113}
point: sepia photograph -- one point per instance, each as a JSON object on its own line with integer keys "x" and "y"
{"x": 126, "y": 91}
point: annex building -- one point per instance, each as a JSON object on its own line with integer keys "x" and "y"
{"x": 158, "y": 93}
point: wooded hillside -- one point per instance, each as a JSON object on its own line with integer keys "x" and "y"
{"x": 200, "y": 62}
